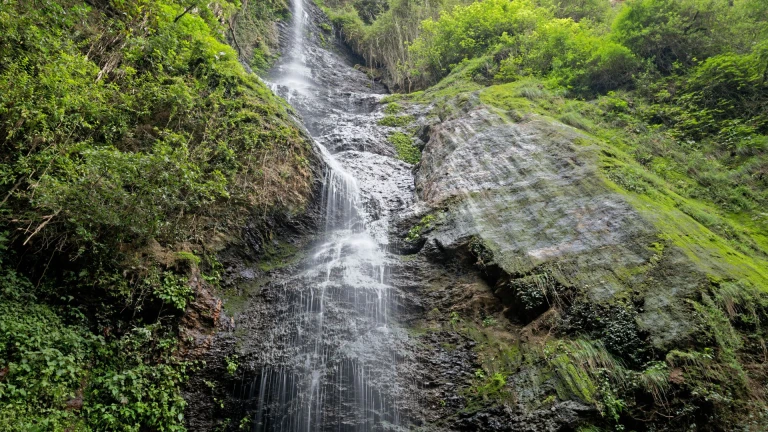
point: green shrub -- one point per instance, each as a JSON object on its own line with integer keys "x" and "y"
{"x": 468, "y": 31}
{"x": 721, "y": 90}
{"x": 135, "y": 151}
{"x": 526, "y": 40}
{"x": 44, "y": 362}
{"x": 572, "y": 55}
{"x": 382, "y": 34}
{"x": 426, "y": 223}
{"x": 669, "y": 31}
{"x": 57, "y": 375}
{"x": 128, "y": 128}
{"x": 173, "y": 290}
{"x": 595, "y": 10}
{"x": 133, "y": 386}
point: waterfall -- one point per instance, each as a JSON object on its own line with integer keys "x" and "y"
{"x": 332, "y": 361}
{"x": 296, "y": 73}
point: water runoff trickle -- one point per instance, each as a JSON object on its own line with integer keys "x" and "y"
{"x": 334, "y": 364}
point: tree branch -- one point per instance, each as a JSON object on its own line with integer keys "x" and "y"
{"x": 41, "y": 226}
{"x": 175, "y": 20}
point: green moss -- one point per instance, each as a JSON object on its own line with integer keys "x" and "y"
{"x": 578, "y": 369}
{"x": 235, "y": 299}
{"x": 406, "y": 150}
{"x": 489, "y": 387}
{"x": 189, "y": 257}
{"x": 708, "y": 250}
{"x": 396, "y": 121}
{"x": 393, "y": 108}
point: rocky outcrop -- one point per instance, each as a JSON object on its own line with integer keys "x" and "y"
{"x": 519, "y": 207}
{"x": 531, "y": 191}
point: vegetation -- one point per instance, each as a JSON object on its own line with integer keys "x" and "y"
{"x": 251, "y": 31}
{"x": 380, "y": 31}
{"x": 134, "y": 145}
{"x": 426, "y": 223}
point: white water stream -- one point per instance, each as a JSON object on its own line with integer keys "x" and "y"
{"x": 334, "y": 362}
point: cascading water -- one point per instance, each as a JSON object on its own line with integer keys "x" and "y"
{"x": 330, "y": 363}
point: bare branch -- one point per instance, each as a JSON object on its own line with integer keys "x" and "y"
{"x": 47, "y": 219}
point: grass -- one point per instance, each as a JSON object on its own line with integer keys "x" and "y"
{"x": 573, "y": 118}
{"x": 576, "y": 367}
{"x": 579, "y": 365}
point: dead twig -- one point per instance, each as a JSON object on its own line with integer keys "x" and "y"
{"x": 46, "y": 220}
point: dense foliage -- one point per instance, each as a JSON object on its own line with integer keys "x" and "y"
{"x": 131, "y": 142}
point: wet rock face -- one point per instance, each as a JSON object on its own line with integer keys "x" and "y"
{"x": 531, "y": 193}
{"x": 338, "y": 104}
{"x": 528, "y": 188}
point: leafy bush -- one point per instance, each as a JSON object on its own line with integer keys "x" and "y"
{"x": 172, "y": 290}
{"x": 525, "y": 40}
{"x": 595, "y": 10}
{"x": 138, "y": 143}
{"x": 42, "y": 360}
{"x": 726, "y": 87}
{"x": 384, "y": 41}
{"x": 426, "y": 223}
{"x": 468, "y": 31}
{"x": 57, "y": 375}
{"x": 134, "y": 386}
{"x": 572, "y": 55}
{"x": 251, "y": 31}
